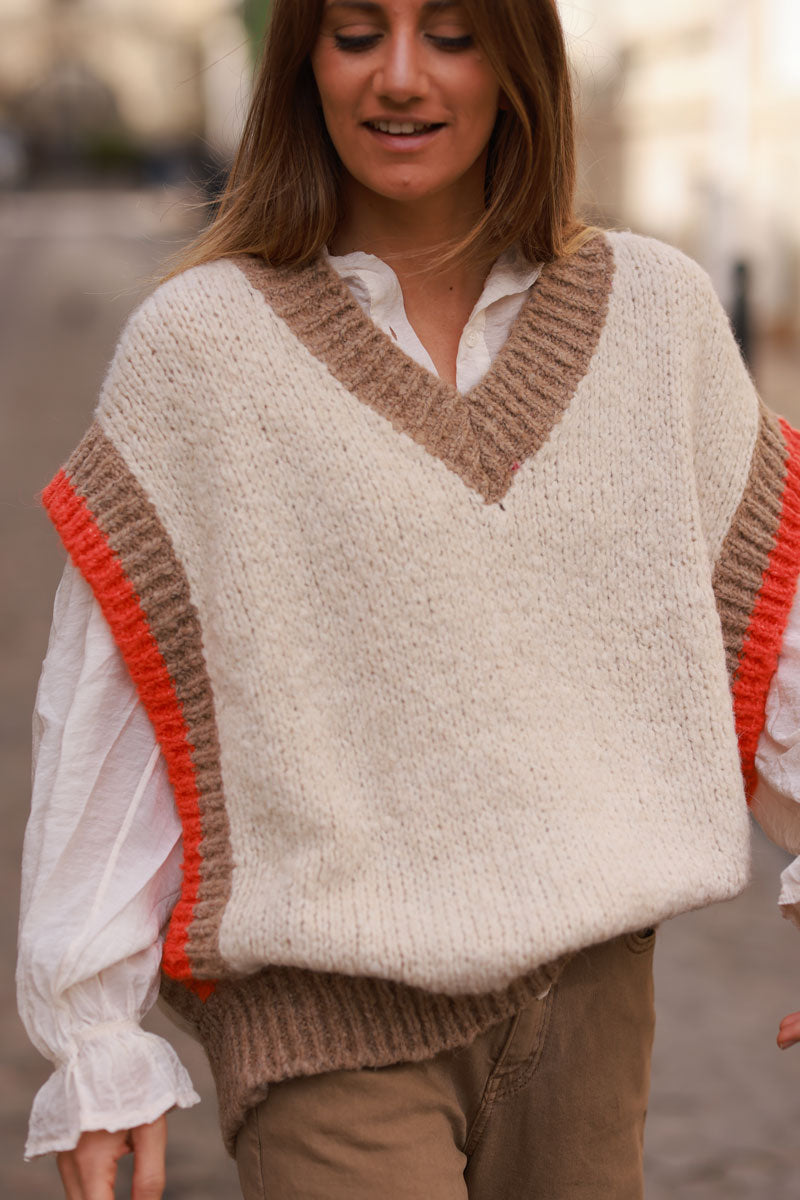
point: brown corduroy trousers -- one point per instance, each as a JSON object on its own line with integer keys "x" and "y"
{"x": 547, "y": 1105}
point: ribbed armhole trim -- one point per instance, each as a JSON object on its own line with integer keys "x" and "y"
{"x": 764, "y": 544}
{"x": 89, "y": 547}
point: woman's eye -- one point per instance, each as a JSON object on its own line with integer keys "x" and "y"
{"x": 463, "y": 42}
{"x": 356, "y": 42}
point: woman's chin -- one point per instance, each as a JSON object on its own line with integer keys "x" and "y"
{"x": 411, "y": 187}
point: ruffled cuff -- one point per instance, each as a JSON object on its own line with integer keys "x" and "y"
{"x": 116, "y": 1076}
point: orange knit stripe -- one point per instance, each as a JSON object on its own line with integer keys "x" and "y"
{"x": 91, "y": 552}
{"x": 762, "y": 642}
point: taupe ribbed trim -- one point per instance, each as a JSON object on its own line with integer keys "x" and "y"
{"x": 122, "y": 511}
{"x": 744, "y": 557}
{"x": 286, "y": 1022}
{"x": 486, "y": 433}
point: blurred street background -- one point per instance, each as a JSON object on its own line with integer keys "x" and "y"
{"x": 118, "y": 119}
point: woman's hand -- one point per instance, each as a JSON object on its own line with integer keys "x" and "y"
{"x": 789, "y": 1031}
{"x": 88, "y": 1172}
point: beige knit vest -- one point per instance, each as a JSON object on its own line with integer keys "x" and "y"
{"x": 440, "y": 679}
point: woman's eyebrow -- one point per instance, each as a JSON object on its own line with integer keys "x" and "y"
{"x": 371, "y": 5}
{"x": 361, "y": 5}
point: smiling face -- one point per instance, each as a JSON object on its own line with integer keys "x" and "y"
{"x": 409, "y": 100}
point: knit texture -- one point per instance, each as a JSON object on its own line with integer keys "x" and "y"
{"x": 444, "y": 683}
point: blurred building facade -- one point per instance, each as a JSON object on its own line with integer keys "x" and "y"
{"x": 95, "y": 84}
{"x": 691, "y": 113}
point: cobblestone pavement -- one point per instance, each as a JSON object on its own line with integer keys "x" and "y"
{"x": 725, "y": 1102}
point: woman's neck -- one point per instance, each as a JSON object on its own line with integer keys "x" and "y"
{"x": 409, "y": 238}
{"x": 406, "y": 231}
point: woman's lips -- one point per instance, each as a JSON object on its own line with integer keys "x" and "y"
{"x": 403, "y": 135}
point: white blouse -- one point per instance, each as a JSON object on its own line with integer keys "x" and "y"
{"x": 101, "y": 861}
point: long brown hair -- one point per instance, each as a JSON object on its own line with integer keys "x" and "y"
{"x": 282, "y": 199}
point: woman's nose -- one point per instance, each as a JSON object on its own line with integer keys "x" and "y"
{"x": 401, "y": 76}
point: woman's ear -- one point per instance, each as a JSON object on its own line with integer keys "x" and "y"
{"x": 503, "y": 103}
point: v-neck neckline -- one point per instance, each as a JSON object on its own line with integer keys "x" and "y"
{"x": 484, "y": 434}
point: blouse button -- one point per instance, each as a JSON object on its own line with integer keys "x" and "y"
{"x": 471, "y": 339}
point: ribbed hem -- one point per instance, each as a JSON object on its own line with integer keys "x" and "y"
{"x": 287, "y": 1021}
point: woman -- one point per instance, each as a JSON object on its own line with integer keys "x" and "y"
{"x": 434, "y": 668}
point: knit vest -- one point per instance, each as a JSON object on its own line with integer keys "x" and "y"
{"x": 448, "y": 686}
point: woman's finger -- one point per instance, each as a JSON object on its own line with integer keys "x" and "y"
{"x": 149, "y": 1150}
{"x": 789, "y": 1031}
{"x": 96, "y": 1156}
{"x": 68, "y": 1171}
